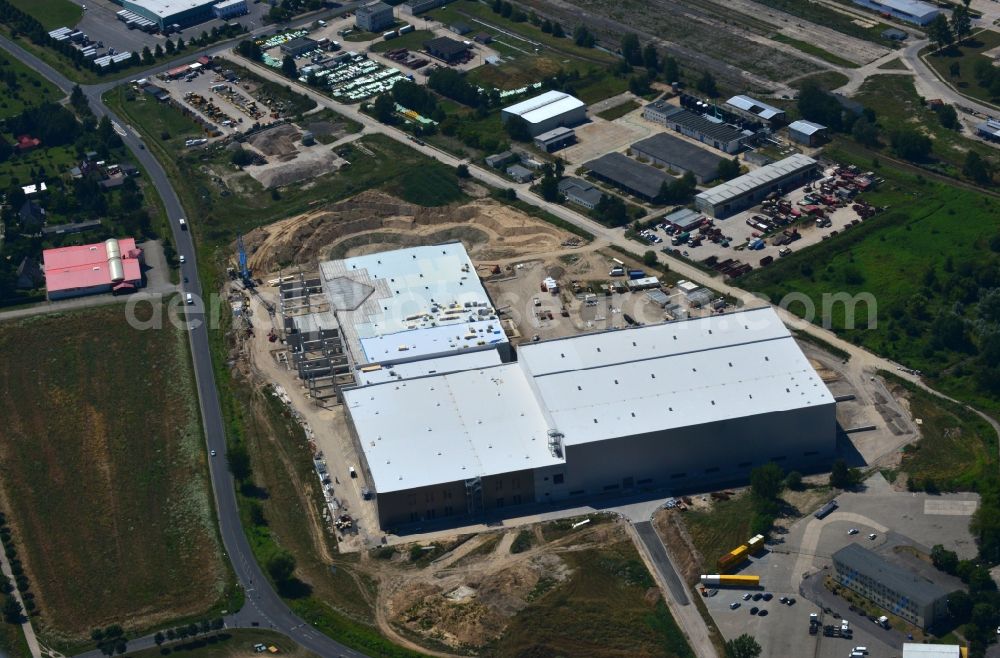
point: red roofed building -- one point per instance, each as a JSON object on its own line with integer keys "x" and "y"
{"x": 109, "y": 266}
{"x": 26, "y": 142}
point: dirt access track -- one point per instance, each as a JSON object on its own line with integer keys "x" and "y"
{"x": 374, "y": 221}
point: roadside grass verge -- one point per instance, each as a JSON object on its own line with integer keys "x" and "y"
{"x": 618, "y": 111}
{"x": 131, "y": 438}
{"x": 234, "y": 643}
{"x": 893, "y": 65}
{"x": 957, "y": 448}
{"x": 827, "y": 80}
{"x": 411, "y": 41}
{"x": 51, "y": 13}
{"x": 815, "y": 51}
{"x": 604, "y": 604}
{"x": 29, "y": 89}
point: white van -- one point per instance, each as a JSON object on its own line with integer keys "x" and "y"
{"x": 189, "y": 298}
{"x": 861, "y": 649}
{"x": 183, "y": 224}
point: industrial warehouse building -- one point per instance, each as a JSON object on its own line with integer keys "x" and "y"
{"x": 555, "y": 139}
{"x": 902, "y": 592}
{"x": 679, "y": 155}
{"x": 749, "y": 189}
{"x": 911, "y": 11}
{"x": 230, "y": 9}
{"x": 806, "y": 132}
{"x": 446, "y": 49}
{"x": 713, "y": 132}
{"x": 755, "y": 110}
{"x": 625, "y": 173}
{"x": 673, "y": 406}
{"x": 547, "y": 112}
{"x": 374, "y": 17}
{"x": 166, "y": 13}
{"x": 298, "y": 46}
{"x": 415, "y": 7}
{"x": 109, "y": 266}
{"x": 580, "y": 192}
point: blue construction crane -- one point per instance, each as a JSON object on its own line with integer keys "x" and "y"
{"x": 244, "y": 270}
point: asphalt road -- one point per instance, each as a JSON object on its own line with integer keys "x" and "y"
{"x": 264, "y": 608}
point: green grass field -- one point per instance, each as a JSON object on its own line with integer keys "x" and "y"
{"x": 29, "y": 88}
{"x": 815, "y": 51}
{"x": 618, "y": 111}
{"x": 823, "y": 15}
{"x": 600, "y": 610}
{"x": 51, "y": 13}
{"x": 411, "y": 40}
{"x": 916, "y": 259}
{"x": 897, "y": 104}
{"x": 966, "y": 56}
{"x": 716, "y": 532}
{"x": 103, "y": 474}
{"x": 234, "y": 643}
{"x": 828, "y": 80}
{"x": 956, "y": 448}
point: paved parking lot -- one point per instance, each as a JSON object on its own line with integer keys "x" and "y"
{"x": 794, "y": 565}
{"x": 100, "y": 23}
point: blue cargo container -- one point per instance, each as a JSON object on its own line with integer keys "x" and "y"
{"x": 636, "y": 274}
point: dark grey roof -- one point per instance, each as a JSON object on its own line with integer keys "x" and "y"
{"x": 445, "y": 47}
{"x": 902, "y": 581}
{"x": 718, "y": 131}
{"x": 628, "y": 173}
{"x": 298, "y": 42}
{"x": 372, "y": 9}
{"x": 680, "y": 154}
{"x": 580, "y": 189}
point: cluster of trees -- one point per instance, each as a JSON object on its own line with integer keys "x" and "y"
{"x": 612, "y": 211}
{"x": 979, "y": 608}
{"x": 987, "y": 75}
{"x": 678, "y": 191}
{"x": 452, "y": 84}
{"x": 548, "y": 185}
{"x": 842, "y": 477}
{"x": 635, "y": 54}
{"x": 507, "y": 10}
{"x": 729, "y": 169}
{"x": 766, "y": 484}
{"x": 50, "y": 122}
{"x": 110, "y": 640}
{"x": 944, "y": 33}
{"x": 744, "y": 646}
{"x": 13, "y": 612}
{"x": 191, "y": 630}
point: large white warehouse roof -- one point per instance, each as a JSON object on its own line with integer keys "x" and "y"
{"x": 490, "y": 420}
{"x": 410, "y": 303}
{"x": 755, "y": 179}
{"x": 546, "y": 106}
{"x": 450, "y": 427}
{"x": 660, "y": 377}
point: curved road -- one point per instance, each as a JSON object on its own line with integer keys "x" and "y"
{"x": 263, "y": 606}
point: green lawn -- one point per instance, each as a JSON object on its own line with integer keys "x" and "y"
{"x": 618, "y": 111}
{"x": 716, "y": 532}
{"x": 828, "y": 80}
{"x": 28, "y": 88}
{"x": 966, "y": 56}
{"x": 128, "y": 477}
{"x": 956, "y": 448}
{"x": 815, "y": 51}
{"x": 51, "y": 13}
{"x": 411, "y": 41}
{"x": 897, "y": 104}
{"x": 919, "y": 259}
{"x": 356, "y": 34}
{"x": 893, "y": 65}
{"x": 601, "y": 610}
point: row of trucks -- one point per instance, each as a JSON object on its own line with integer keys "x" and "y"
{"x": 406, "y": 58}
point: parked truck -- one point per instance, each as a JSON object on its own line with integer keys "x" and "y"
{"x": 733, "y": 557}
{"x": 728, "y": 580}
